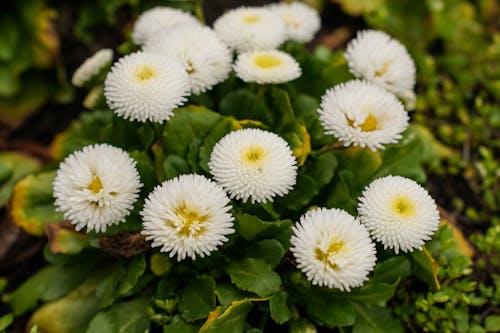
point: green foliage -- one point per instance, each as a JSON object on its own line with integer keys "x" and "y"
{"x": 33, "y": 203}
{"x": 30, "y": 72}
{"x": 13, "y": 167}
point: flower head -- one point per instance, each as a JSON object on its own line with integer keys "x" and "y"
{"x": 362, "y": 114}
{"x": 159, "y": 18}
{"x": 146, "y": 86}
{"x": 376, "y": 57}
{"x": 302, "y": 22}
{"x": 206, "y": 58}
{"x": 266, "y": 67}
{"x": 96, "y": 187}
{"x": 187, "y": 216}
{"x": 253, "y": 164}
{"x": 92, "y": 67}
{"x": 251, "y": 28}
{"x": 399, "y": 213}
{"x": 333, "y": 249}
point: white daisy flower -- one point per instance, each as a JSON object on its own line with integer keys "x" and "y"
{"x": 96, "y": 187}
{"x": 159, "y": 18}
{"x": 399, "y": 213}
{"x": 251, "y": 28}
{"x": 266, "y": 67}
{"x": 206, "y": 58}
{"x": 187, "y": 216}
{"x": 333, "y": 249}
{"x": 302, "y": 22}
{"x": 377, "y": 57}
{"x": 253, "y": 164}
{"x": 146, "y": 86}
{"x": 362, "y": 114}
{"x": 92, "y": 67}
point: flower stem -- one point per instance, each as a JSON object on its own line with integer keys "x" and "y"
{"x": 198, "y": 10}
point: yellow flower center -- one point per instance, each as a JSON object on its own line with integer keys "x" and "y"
{"x": 267, "y": 60}
{"x": 189, "y": 221}
{"x": 370, "y": 123}
{"x": 144, "y": 73}
{"x": 403, "y": 206}
{"x": 382, "y": 70}
{"x": 251, "y": 18}
{"x": 95, "y": 185}
{"x": 253, "y": 154}
{"x": 327, "y": 256}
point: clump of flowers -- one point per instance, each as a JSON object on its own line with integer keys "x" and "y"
{"x": 233, "y": 162}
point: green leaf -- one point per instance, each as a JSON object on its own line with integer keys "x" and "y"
{"x": 492, "y": 323}
{"x": 6, "y": 321}
{"x": 356, "y": 169}
{"x": 102, "y": 127}
{"x": 280, "y": 311}
{"x": 160, "y": 264}
{"x": 317, "y": 172}
{"x": 290, "y": 128}
{"x": 146, "y": 171}
{"x": 244, "y": 104}
{"x": 174, "y": 165}
{"x": 375, "y": 320}
{"x": 197, "y": 298}
{"x": 13, "y": 167}
{"x": 392, "y": 270}
{"x": 125, "y": 317}
{"x": 371, "y": 294}
{"x": 65, "y": 240}
{"x": 426, "y": 268}
{"x": 254, "y": 275}
{"x": 187, "y": 124}
{"x": 48, "y": 284}
{"x": 251, "y": 227}
{"x": 328, "y": 310}
{"x": 306, "y": 109}
{"x": 11, "y": 37}
{"x": 33, "y": 203}
{"x": 223, "y": 127}
{"x": 134, "y": 271}
{"x": 228, "y": 293}
{"x": 22, "y": 103}
{"x": 107, "y": 290}
{"x": 231, "y": 321}
{"x": 269, "y": 250}
{"x": 73, "y": 312}
{"x": 178, "y": 325}
{"x": 404, "y": 158}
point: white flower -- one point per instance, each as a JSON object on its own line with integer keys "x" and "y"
{"x": 399, "y": 213}
{"x": 302, "y": 22}
{"x": 333, "y": 249}
{"x": 187, "y": 216}
{"x": 92, "y": 67}
{"x": 206, "y": 58}
{"x": 156, "y": 19}
{"x": 362, "y": 114}
{"x": 251, "y": 28}
{"x": 376, "y": 57}
{"x": 266, "y": 67}
{"x": 253, "y": 164}
{"x": 96, "y": 187}
{"x": 146, "y": 86}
